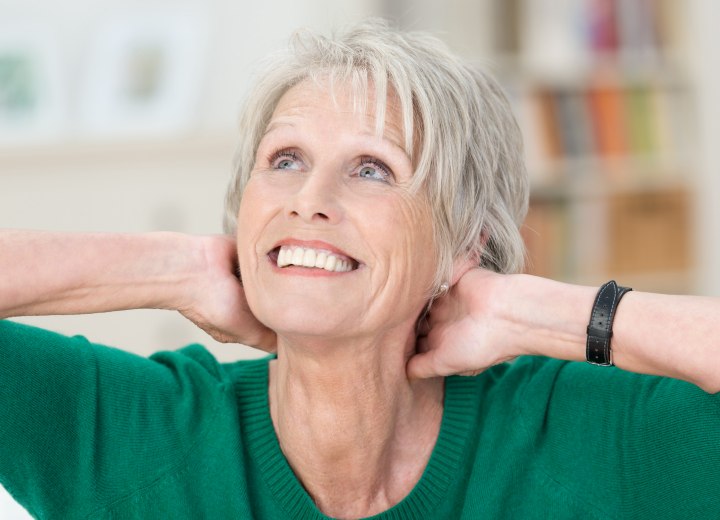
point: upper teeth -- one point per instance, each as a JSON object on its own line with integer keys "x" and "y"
{"x": 307, "y": 257}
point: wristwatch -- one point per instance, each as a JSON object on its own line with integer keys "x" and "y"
{"x": 599, "y": 330}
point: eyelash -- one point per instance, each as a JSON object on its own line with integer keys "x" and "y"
{"x": 285, "y": 152}
{"x": 376, "y": 163}
{"x": 364, "y": 161}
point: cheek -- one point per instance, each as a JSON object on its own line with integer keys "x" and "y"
{"x": 405, "y": 234}
{"x": 412, "y": 217}
{"x": 252, "y": 218}
{"x": 250, "y": 224}
{"x": 422, "y": 261}
{"x": 244, "y": 224}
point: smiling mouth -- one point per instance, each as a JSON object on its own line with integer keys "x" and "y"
{"x": 311, "y": 258}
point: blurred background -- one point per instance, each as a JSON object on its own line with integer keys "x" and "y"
{"x": 121, "y": 116}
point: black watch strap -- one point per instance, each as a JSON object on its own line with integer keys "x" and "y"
{"x": 599, "y": 331}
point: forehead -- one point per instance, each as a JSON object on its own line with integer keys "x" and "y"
{"x": 326, "y": 99}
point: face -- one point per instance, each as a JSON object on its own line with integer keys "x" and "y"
{"x": 331, "y": 242}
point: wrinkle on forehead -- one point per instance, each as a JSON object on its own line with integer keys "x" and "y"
{"x": 345, "y": 96}
{"x": 375, "y": 99}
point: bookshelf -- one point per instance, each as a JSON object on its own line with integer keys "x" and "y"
{"x": 606, "y": 94}
{"x": 605, "y": 103}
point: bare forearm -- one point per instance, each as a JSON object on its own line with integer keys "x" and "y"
{"x": 74, "y": 273}
{"x": 673, "y": 336}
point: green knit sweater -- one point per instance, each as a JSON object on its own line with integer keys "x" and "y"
{"x": 93, "y": 432}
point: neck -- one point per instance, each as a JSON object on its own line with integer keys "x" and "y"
{"x": 355, "y": 430}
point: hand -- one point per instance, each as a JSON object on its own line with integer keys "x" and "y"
{"x": 217, "y": 301}
{"x": 466, "y": 330}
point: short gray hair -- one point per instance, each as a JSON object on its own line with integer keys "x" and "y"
{"x": 469, "y": 161}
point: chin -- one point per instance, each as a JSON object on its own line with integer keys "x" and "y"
{"x": 303, "y": 318}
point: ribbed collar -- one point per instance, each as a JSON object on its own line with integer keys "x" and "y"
{"x": 461, "y": 404}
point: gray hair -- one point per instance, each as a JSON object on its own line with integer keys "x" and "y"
{"x": 460, "y": 134}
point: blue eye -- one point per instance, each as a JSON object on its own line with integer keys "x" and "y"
{"x": 373, "y": 169}
{"x": 370, "y": 172}
{"x": 285, "y": 164}
{"x": 284, "y": 160}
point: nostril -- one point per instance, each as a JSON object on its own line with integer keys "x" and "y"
{"x": 318, "y": 211}
{"x": 316, "y": 215}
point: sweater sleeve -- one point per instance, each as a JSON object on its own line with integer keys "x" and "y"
{"x": 84, "y": 424}
{"x": 636, "y": 446}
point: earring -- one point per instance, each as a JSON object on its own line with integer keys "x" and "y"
{"x": 444, "y": 287}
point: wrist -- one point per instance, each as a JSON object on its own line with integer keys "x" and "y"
{"x": 551, "y": 316}
{"x": 148, "y": 270}
{"x": 180, "y": 267}
{"x": 81, "y": 273}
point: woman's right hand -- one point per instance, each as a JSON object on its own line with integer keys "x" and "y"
{"x": 51, "y": 273}
{"x": 217, "y": 301}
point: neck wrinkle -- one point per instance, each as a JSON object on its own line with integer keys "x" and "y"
{"x": 355, "y": 430}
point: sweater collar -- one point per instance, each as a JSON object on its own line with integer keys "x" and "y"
{"x": 423, "y": 501}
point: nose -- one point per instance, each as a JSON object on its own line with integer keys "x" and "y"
{"x": 317, "y": 198}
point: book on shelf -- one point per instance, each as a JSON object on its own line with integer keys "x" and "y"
{"x": 602, "y": 22}
{"x": 573, "y": 119}
{"x": 601, "y": 96}
{"x": 608, "y": 116}
{"x": 641, "y": 27}
{"x": 596, "y": 122}
{"x": 641, "y": 120}
{"x": 577, "y": 33}
{"x": 648, "y": 232}
{"x": 641, "y": 232}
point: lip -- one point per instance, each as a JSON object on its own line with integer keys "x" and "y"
{"x": 314, "y": 244}
{"x": 304, "y": 271}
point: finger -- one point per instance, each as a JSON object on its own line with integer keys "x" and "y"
{"x": 427, "y": 364}
{"x": 420, "y": 367}
{"x": 470, "y": 373}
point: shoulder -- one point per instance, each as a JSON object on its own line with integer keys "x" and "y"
{"x": 577, "y": 413}
{"x": 570, "y": 384}
{"x": 598, "y": 439}
{"x": 557, "y": 394}
{"x": 653, "y": 441}
{"x": 507, "y": 381}
{"x": 193, "y": 361}
{"x": 20, "y": 336}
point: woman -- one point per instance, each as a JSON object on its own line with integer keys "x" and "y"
{"x": 376, "y": 174}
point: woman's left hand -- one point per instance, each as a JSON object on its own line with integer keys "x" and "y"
{"x": 465, "y": 331}
{"x": 487, "y": 318}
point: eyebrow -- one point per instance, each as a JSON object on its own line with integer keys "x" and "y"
{"x": 274, "y": 124}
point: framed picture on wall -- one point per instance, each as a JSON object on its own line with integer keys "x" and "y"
{"x": 32, "y": 104}
{"x": 144, "y": 75}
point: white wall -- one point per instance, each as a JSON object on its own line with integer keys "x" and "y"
{"x": 703, "y": 38}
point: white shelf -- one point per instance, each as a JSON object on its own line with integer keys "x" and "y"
{"x": 31, "y": 153}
